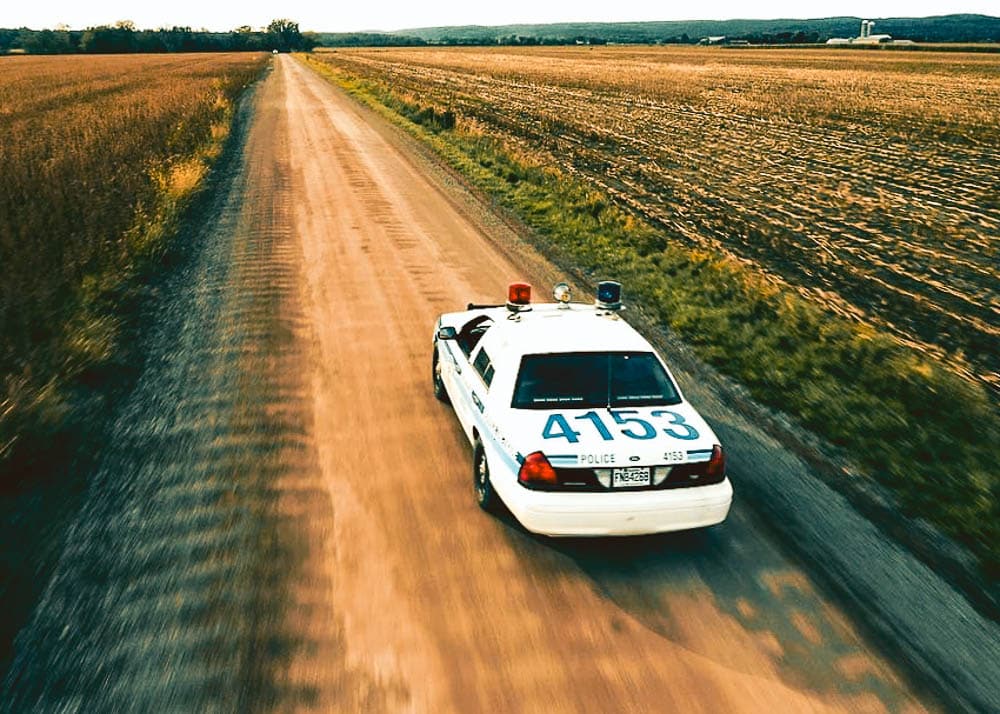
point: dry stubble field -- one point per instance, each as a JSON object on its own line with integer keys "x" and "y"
{"x": 867, "y": 180}
{"x": 99, "y": 156}
{"x": 96, "y": 156}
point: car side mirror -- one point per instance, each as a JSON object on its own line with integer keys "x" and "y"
{"x": 447, "y": 333}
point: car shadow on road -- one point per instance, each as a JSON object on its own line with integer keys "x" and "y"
{"x": 700, "y": 589}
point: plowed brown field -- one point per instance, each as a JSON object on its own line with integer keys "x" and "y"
{"x": 866, "y": 180}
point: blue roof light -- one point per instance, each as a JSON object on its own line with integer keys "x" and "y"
{"x": 609, "y": 295}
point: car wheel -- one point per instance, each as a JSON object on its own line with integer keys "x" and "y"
{"x": 439, "y": 391}
{"x": 486, "y": 497}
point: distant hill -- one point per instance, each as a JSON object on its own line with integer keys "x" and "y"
{"x": 947, "y": 28}
{"x": 366, "y": 39}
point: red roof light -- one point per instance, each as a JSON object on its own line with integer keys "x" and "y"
{"x": 519, "y": 293}
{"x": 518, "y": 296}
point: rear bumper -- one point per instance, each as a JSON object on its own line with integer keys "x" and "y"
{"x": 638, "y": 513}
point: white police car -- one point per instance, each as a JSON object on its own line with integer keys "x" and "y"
{"x": 575, "y": 421}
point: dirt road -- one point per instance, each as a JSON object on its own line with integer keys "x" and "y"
{"x": 286, "y": 520}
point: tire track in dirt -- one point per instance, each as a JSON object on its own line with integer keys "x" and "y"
{"x": 195, "y": 578}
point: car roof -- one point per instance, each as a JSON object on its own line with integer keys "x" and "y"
{"x": 553, "y": 328}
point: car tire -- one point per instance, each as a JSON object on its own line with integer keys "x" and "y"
{"x": 486, "y": 497}
{"x": 440, "y": 393}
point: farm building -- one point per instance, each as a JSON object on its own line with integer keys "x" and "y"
{"x": 722, "y": 40}
{"x": 867, "y": 38}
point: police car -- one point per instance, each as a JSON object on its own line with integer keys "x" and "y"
{"x": 576, "y": 424}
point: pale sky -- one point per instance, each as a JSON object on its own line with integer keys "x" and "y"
{"x": 339, "y": 16}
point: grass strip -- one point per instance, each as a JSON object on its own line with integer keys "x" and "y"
{"x": 929, "y": 436}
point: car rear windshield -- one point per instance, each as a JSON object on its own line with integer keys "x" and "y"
{"x": 593, "y": 379}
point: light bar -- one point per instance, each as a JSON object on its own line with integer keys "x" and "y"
{"x": 609, "y": 295}
{"x": 518, "y": 297}
{"x": 561, "y": 293}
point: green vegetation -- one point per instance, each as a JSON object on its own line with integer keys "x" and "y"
{"x": 366, "y": 39}
{"x": 946, "y": 28}
{"x": 124, "y": 37}
{"x": 908, "y": 421}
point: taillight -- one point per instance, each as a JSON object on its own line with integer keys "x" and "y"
{"x": 717, "y": 464}
{"x": 537, "y": 471}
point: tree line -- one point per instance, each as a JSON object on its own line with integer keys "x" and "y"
{"x": 123, "y": 37}
{"x": 948, "y": 28}
{"x": 284, "y": 35}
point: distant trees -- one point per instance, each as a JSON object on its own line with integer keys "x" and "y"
{"x": 284, "y": 36}
{"x": 366, "y": 39}
{"x": 121, "y": 37}
{"x": 46, "y": 42}
{"x": 780, "y": 38}
{"x": 951, "y": 28}
{"x": 9, "y": 37}
{"x": 124, "y": 37}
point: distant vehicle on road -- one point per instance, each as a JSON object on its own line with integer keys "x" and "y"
{"x": 575, "y": 421}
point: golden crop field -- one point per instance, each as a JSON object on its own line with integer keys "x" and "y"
{"x": 90, "y": 148}
{"x": 866, "y": 180}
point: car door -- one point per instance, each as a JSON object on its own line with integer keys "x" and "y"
{"x": 448, "y": 355}
{"x": 466, "y": 386}
{"x": 459, "y": 388}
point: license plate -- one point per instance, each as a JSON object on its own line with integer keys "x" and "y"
{"x": 630, "y": 477}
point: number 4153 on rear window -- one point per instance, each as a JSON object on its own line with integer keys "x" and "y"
{"x": 626, "y": 423}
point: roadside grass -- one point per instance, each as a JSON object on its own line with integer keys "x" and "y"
{"x": 904, "y": 418}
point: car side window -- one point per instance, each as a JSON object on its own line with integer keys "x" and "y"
{"x": 484, "y": 366}
{"x": 472, "y": 331}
